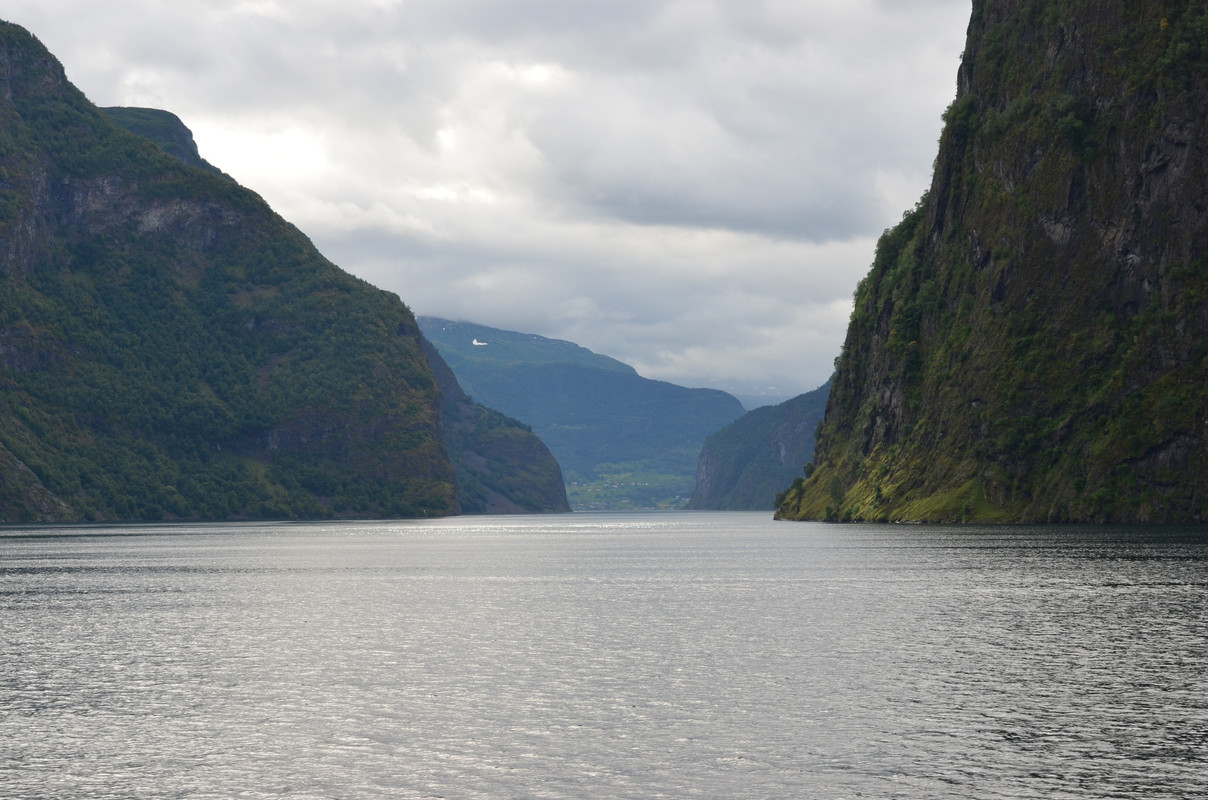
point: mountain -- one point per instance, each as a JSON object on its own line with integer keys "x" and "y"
{"x": 1029, "y": 345}
{"x": 165, "y": 129}
{"x": 170, "y": 348}
{"x": 746, "y": 464}
{"x": 501, "y": 466}
{"x": 623, "y": 441}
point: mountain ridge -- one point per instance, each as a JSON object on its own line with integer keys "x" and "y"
{"x": 623, "y": 441}
{"x": 165, "y": 129}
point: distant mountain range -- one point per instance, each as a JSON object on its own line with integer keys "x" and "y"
{"x": 623, "y": 441}
{"x": 748, "y": 463}
{"x": 170, "y": 348}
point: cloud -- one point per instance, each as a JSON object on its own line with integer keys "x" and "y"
{"x": 693, "y": 186}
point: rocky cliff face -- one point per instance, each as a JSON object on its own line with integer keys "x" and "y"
{"x": 171, "y": 348}
{"x": 1029, "y": 344}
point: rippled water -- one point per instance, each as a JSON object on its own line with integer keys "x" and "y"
{"x": 603, "y": 656}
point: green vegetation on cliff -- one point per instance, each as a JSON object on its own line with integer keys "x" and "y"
{"x": 172, "y": 349}
{"x": 165, "y": 129}
{"x": 1029, "y": 344}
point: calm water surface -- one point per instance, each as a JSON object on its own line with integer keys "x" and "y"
{"x": 670, "y": 655}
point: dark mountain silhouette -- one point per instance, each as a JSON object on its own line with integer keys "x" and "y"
{"x": 746, "y": 464}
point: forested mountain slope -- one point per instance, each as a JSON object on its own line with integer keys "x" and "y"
{"x": 623, "y": 441}
{"x": 165, "y": 129}
{"x": 502, "y": 467}
{"x": 1031, "y": 343}
{"x": 171, "y": 348}
{"x": 746, "y": 464}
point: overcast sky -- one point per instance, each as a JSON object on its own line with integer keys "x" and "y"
{"x": 691, "y": 186}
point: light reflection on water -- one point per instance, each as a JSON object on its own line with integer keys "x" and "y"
{"x": 603, "y": 656}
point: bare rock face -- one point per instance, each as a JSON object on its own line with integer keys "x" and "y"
{"x": 1029, "y": 343}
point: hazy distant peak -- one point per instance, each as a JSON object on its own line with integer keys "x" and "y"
{"x": 458, "y": 340}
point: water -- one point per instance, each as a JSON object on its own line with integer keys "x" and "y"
{"x": 603, "y": 656}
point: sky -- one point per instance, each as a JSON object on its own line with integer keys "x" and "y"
{"x": 693, "y": 187}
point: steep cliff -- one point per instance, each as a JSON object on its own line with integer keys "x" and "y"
{"x": 171, "y": 348}
{"x": 1030, "y": 344}
{"x": 745, "y": 465}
